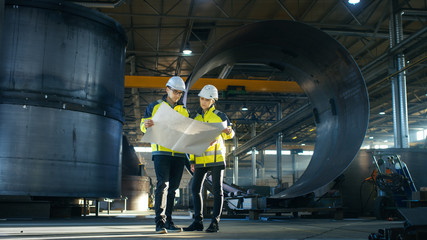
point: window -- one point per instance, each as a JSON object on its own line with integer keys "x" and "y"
{"x": 421, "y": 134}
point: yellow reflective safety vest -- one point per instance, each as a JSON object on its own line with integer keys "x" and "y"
{"x": 149, "y": 113}
{"x": 215, "y": 154}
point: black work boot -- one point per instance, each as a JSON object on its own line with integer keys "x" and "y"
{"x": 213, "y": 227}
{"x": 171, "y": 227}
{"x": 195, "y": 226}
{"x": 160, "y": 227}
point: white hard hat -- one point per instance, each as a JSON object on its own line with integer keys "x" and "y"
{"x": 177, "y": 83}
{"x": 209, "y": 92}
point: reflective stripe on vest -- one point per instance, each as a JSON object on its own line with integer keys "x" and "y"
{"x": 210, "y": 153}
{"x": 173, "y": 154}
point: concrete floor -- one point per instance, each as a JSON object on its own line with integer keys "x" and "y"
{"x": 140, "y": 226}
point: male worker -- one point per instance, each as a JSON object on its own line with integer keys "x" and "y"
{"x": 168, "y": 164}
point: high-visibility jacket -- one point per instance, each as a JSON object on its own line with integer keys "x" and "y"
{"x": 215, "y": 154}
{"x": 149, "y": 113}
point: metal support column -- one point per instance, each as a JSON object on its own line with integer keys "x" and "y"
{"x": 294, "y": 152}
{"x": 236, "y": 161}
{"x": 1, "y": 17}
{"x": 125, "y": 204}
{"x": 279, "y": 159}
{"x": 279, "y": 149}
{"x": 85, "y": 207}
{"x": 398, "y": 82}
{"x": 97, "y": 207}
{"x": 294, "y": 169}
{"x": 253, "y": 160}
{"x": 135, "y": 92}
{"x": 261, "y": 171}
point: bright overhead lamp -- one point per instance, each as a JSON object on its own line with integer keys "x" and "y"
{"x": 187, "y": 50}
{"x": 354, "y": 2}
{"x": 244, "y": 108}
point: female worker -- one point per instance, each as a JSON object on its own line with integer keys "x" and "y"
{"x": 168, "y": 164}
{"x": 212, "y": 160}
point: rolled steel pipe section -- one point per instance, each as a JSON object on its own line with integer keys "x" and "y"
{"x": 61, "y": 106}
{"x": 325, "y": 71}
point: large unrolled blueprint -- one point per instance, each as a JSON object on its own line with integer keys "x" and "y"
{"x": 182, "y": 134}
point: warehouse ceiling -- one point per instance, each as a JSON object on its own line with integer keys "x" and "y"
{"x": 159, "y": 30}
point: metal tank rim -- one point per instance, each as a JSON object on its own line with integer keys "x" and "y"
{"x": 72, "y": 8}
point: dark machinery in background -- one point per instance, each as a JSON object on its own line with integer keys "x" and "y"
{"x": 397, "y": 198}
{"x": 394, "y": 183}
{"x": 351, "y": 191}
{"x": 257, "y": 200}
{"x": 415, "y": 226}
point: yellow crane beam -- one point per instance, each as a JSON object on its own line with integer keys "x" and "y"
{"x": 221, "y": 84}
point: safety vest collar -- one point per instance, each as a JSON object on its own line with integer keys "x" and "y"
{"x": 207, "y": 113}
{"x": 165, "y": 99}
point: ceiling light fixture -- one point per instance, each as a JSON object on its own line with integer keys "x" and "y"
{"x": 354, "y": 2}
{"x": 244, "y": 108}
{"x": 187, "y": 50}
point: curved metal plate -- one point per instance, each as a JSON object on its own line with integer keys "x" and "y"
{"x": 325, "y": 71}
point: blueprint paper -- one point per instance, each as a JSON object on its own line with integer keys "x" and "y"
{"x": 182, "y": 134}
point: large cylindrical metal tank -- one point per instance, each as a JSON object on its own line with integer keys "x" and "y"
{"x": 61, "y": 100}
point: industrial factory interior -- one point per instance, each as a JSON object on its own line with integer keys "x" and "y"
{"x": 327, "y": 100}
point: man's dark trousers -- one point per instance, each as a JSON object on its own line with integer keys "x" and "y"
{"x": 169, "y": 173}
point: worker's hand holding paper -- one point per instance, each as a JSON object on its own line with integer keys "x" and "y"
{"x": 179, "y": 133}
